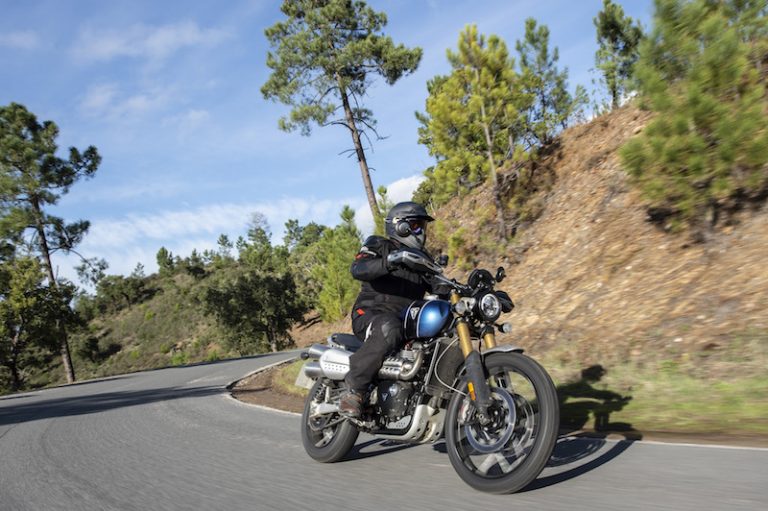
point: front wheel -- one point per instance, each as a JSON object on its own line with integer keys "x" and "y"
{"x": 507, "y": 454}
{"x": 326, "y": 437}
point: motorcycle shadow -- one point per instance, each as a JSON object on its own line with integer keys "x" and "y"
{"x": 570, "y": 451}
{"x": 376, "y": 447}
{"x": 580, "y": 402}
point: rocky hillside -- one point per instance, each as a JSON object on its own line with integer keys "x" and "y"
{"x": 596, "y": 283}
{"x": 595, "y": 280}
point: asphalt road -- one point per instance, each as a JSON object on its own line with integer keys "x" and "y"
{"x": 174, "y": 439}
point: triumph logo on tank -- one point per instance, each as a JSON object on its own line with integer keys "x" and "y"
{"x": 415, "y": 312}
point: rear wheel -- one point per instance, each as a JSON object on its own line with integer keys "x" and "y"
{"x": 327, "y": 437}
{"x": 507, "y": 454}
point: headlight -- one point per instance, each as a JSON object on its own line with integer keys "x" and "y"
{"x": 490, "y": 307}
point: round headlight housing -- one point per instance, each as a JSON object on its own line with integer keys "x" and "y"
{"x": 490, "y": 307}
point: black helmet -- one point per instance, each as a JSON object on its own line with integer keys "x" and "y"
{"x": 406, "y": 222}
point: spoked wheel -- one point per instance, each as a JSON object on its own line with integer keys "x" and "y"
{"x": 512, "y": 450}
{"x": 327, "y": 437}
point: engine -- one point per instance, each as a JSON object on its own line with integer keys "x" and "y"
{"x": 403, "y": 365}
{"x": 391, "y": 398}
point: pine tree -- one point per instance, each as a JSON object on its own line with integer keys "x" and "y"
{"x": 165, "y": 261}
{"x": 553, "y": 106}
{"x": 618, "y": 37}
{"x": 335, "y": 252}
{"x": 707, "y": 146}
{"x": 257, "y": 300}
{"x": 474, "y": 117}
{"x": 33, "y": 179}
{"x": 28, "y": 315}
{"x": 225, "y": 247}
{"x": 256, "y": 309}
{"x": 302, "y": 244}
{"x": 258, "y": 253}
{"x": 325, "y": 54}
{"x": 384, "y": 205}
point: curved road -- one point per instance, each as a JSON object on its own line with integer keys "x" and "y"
{"x": 173, "y": 439}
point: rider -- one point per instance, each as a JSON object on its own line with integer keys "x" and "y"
{"x": 386, "y": 290}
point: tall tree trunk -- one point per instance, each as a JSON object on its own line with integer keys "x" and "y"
{"x": 66, "y": 358}
{"x": 614, "y": 86}
{"x": 15, "y": 376}
{"x": 360, "y": 153}
{"x": 494, "y": 177}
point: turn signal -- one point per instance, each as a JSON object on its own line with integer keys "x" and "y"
{"x": 464, "y": 306}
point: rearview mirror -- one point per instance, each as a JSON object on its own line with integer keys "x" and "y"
{"x": 500, "y": 274}
{"x": 442, "y": 260}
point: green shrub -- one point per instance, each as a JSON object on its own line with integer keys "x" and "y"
{"x": 179, "y": 358}
{"x": 706, "y": 150}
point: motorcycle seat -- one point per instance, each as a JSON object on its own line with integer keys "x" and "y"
{"x": 348, "y": 341}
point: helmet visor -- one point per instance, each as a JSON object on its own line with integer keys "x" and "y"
{"x": 417, "y": 225}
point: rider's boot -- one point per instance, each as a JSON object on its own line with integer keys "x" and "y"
{"x": 351, "y": 404}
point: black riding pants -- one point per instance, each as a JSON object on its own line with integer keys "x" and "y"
{"x": 381, "y": 333}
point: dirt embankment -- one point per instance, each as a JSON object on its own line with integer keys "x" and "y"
{"x": 595, "y": 281}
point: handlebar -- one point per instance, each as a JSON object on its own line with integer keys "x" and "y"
{"x": 422, "y": 263}
{"x": 452, "y": 283}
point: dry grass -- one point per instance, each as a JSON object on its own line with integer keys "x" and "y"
{"x": 284, "y": 378}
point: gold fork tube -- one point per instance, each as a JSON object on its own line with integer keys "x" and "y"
{"x": 489, "y": 340}
{"x": 465, "y": 337}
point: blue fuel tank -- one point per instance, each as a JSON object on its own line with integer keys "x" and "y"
{"x": 426, "y": 318}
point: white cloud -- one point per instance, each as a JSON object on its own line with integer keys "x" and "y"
{"x": 158, "y": 188}
{"x": 188, "y": 121}
{"x": 107, "y": 100}
{"x": 136, "y": 238}
{"x": 398, "y": 191}
{"x": 141, "y": 41}
{"x": 123, "y": 242}
{"x": 20, "y": 39}
{"x": 99, "y": 98}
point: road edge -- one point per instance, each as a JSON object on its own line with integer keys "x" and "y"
{"x": 231, "y": 385}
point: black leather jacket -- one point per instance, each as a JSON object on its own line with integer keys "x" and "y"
{"x": 385, "y": 289}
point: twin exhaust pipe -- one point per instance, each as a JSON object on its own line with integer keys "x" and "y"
{"x": 313, "y": 369}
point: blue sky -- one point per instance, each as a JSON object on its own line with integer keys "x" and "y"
{"x": 169, "y": 94}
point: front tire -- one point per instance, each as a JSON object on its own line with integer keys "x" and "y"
{"x": 510, "y": 452}
{"x": 328, "y": 438}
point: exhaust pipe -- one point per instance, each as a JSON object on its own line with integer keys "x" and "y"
{"x": 313, "y": 370}
{"x": 316, "y": 350}
{"x": 333, "y": 363}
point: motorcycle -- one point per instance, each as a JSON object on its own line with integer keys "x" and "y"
{"x": 496, "y": 407}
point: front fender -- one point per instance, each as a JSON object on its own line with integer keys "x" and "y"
{"x": 506, "y": 348}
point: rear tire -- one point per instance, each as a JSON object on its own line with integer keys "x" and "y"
{"x": 507, "y": 455}
{"x": 330, "y": 444}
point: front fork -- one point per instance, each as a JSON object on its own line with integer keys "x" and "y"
{"x": 477, "y": 385}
